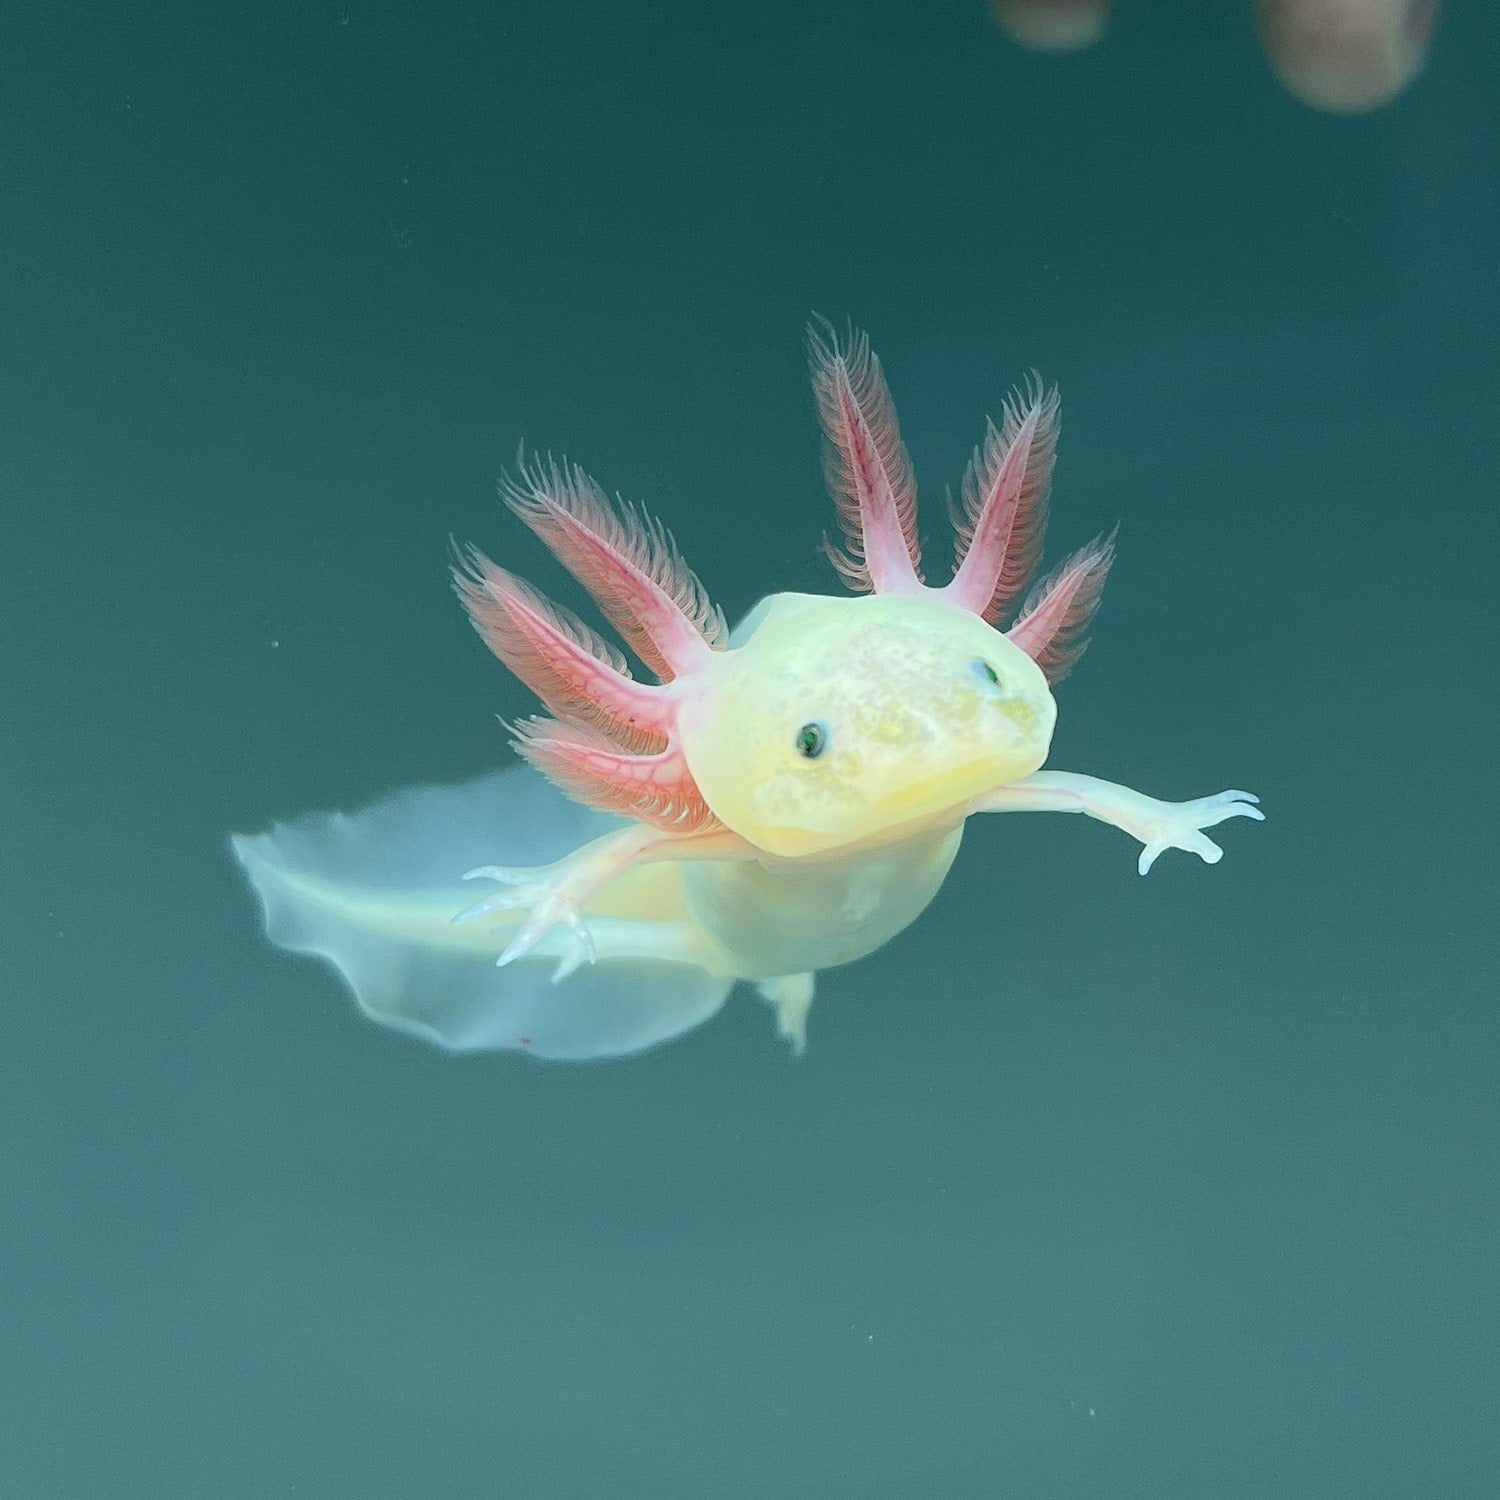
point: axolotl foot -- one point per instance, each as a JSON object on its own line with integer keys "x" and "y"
{"x": 1179, "y": 825}
{"x": 546, "y": 895}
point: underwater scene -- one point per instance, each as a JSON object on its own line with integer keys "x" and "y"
{"x": 542, "y": 549}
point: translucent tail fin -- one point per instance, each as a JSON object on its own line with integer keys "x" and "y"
{"x": 374, "y": 894}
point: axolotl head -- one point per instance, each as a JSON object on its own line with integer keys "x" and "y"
{"x": 822, "y": 723}
{"x": 842, "y": 721}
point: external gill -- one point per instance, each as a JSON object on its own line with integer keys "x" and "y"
{"x": 611, "y": 743}
{"x": 1000, "y": 520}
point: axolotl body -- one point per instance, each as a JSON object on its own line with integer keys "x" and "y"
{"x": 779, "y": 800}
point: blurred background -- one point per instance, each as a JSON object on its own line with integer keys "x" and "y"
{"x": 1088, "y": 1185}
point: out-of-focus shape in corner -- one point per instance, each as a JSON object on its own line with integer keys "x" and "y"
{"x": 1346, "y": 56}
{"x": 1052, "y": 25}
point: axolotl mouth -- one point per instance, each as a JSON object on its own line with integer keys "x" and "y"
{"x": 924, "y": 801}
{"x": 920, "y": 806}
{"x": 951, "y": 790}
{"x": 1015, "y": 743}
{"x": 893, "y": 763}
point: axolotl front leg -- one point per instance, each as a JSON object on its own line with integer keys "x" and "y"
{"x": 1158, "y": 825}
{"x": 554, "y": 895}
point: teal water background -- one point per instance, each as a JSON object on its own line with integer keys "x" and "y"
{"x": 1088, "y": 1186}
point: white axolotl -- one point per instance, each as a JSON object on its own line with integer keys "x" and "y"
{"x": 778, "y": 801}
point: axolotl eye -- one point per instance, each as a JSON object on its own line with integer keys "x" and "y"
{"x": 985, "y": 670}
{"x": 812, "y": 740}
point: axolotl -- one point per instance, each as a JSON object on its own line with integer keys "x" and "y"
{"x": 775, "y": 801}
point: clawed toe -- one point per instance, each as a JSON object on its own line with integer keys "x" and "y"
{"x": 499, "y": 901}
{"x": 511, "y": 897}
{"x": 1233, "y": 805}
